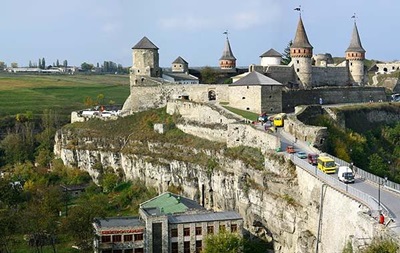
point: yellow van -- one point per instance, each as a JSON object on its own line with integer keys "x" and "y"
{"x": 326, "y": 164}
{"x": 279, "y": 119}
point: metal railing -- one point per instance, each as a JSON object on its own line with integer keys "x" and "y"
{"x": 347, "y": 189}
{"x": 368, "y": 176}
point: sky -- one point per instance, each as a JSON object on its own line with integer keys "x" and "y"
{"x": 94, "y": 31}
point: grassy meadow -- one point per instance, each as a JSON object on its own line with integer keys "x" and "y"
{"x": 20, "y": 93}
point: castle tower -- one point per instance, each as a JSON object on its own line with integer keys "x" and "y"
{"x": 301, "y": 52}
{"x": 355, "y": 55}
{"x": 180, "y": 65}
{"x": 227, "y": 60}
{"x": 145, "y": 59}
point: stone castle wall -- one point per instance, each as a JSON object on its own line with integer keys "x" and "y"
{"x": 146, "y": 97}
{"x": 333, "y": 95}
{"x": 330, "y": 76}
{"x": 217, "y": 124}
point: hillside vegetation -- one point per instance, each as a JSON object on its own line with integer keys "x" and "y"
{"x": 374, "y": 149}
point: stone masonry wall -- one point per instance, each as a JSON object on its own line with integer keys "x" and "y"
{"x": 337, "y": 76}
{"x": 313, "y": 135}
{"x": 332, "y": 95}
{"x": 216, "y": 124}
{"x": 146, "y": 97}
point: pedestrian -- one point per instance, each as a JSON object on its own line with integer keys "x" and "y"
{"x": 295, "y": 139}
{"x": 320, "y": 101}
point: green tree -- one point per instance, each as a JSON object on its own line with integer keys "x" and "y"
{"x": 2, "y": 66}
{"x": 43, "y": 63}
{"x": 223, "y": 243}
{"x": 78, "y": 223}
{"x": 209, "y": 75}
{"x": 377, "y": 165}
{"x": 86, "y": 67}
{"x": 286, "y": 58}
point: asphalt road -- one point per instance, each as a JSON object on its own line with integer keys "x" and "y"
{"x": 388, "y": 198}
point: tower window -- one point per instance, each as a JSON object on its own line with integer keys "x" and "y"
{"x": 247, "y": 87}
{"x": 243, "y": 97}
{"x": 298, "y": 62}
{"x": 298, "y": 70}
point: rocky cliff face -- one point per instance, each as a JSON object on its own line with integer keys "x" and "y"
{"x": 279, "y": 203}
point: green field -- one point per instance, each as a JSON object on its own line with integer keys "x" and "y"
{"x": 62, "y": 93}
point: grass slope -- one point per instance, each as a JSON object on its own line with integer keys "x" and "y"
{"x": 62, "y": 93}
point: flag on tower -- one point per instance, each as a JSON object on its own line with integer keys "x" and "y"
{"x": 297, "y": 9}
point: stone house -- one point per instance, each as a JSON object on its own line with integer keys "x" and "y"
{"x": 256, "y": 93}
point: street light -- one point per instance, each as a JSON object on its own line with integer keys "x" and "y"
{"x": 379, "y": 192}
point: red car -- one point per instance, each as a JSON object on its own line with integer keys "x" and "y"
{"x": 290, "y": 149}
{"x": 312, "y": 159}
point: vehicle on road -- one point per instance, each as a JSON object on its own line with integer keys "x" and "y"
{"x": 395, "y": 97}
{"x": 290, "y": 150}
{"x": 312, "y": 159}
{"x": 345, "y": 174}
{"x": 326, "y": 164}
{"x": 301, "y": 155}
{"x": 279, "y": 119}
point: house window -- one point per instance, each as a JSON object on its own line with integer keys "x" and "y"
{"x": 174, "y": 232}
{"x": 243, "y": 97}
{"x": 186, "y": 247}
{"x": 106, "y": 251}
{"x": 198, "y": 230}
{"x": 174, "y": 247}
{"x": 117, "y": 238}
{"x": 297, "y": 70}
{"x": 233, "y": 228}
{"x": 117, "y": 251}
{"x": 139, "y": 250}
{"x": 128, "y": 251}
{"x": 210, "y": 229}
{"x": 199, "y": 246}
{"x": 106, "y": 238}
{"x": 138, "y": 237}
{"x": 186, "y": 232}
{"x": 128, "y": 238}
{"x": 221, "y": 228}
{"x": 247, "y": 87}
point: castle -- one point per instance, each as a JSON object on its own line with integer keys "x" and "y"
{"x": 307, "y": 79}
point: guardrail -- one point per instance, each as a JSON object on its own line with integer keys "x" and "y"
{"x": 358, "y": 195}
{"x": 371, "y": 177}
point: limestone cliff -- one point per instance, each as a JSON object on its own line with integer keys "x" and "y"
{"x": 279, "y": 202}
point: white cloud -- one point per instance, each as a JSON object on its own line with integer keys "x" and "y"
{"x": 240, "y": 16}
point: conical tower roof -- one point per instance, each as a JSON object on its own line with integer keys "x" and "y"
{"x": 355, "y": 43}
{"x": 180, "y": 60}
{"x": 145, "y": 43}
{"x": 301, "y": 39}
{"x": 227, "y": 53}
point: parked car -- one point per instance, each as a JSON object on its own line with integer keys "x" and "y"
{"x": 312, "y": 159}
{"x": 301, "y": 155}
{"x": 290, "y": 150}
